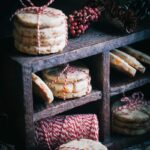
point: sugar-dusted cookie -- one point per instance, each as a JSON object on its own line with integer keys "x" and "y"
{"x": 129, "y": 115}
{"x": 43, "y": 41}
{"x": 127, "y": 131}
{"x": 63, "y": 74}
{"x": 44, "y": 33}
{"x": 41, "y": 89}
{"x": 70, "y": 87}
{"x": 131, "y": 125}
{"x": 52, "y": 18}
{"x": 34, "y": 50}
{"x": 83, "y": 144}
{"x": 64, "y": 95}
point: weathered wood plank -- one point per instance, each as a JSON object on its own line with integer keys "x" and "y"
{"x": 103, "y": 68}
{"x": 120, "y": 85}
{"x": 24, "y": 122}
{"x": 59, "y": 106}
{"x": 91, "y": 43}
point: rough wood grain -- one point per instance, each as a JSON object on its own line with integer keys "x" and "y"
{"x": 91, "y": 43}
{"x": 24, "y": 124}
{"x": 103, "y": 66}
{"x": 120, "y": 84}
{"x": 59, "y": 106}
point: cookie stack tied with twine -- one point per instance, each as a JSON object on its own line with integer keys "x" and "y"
{"x": 40, "y": 30}
{"x": 132, "y": 117}
{"x": 68, "y": 82}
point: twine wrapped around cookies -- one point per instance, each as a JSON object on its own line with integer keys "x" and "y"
{"x": 32, "y": 8}
{"x": 71, "y": 69}
{"x": 54, "y": 131}
{"x": 132, "y": 103}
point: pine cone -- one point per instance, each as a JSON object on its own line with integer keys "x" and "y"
{"x": 120, "y": 16}
{"x": 141, "y": 8}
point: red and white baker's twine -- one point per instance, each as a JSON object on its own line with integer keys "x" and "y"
{"x": 32, "y": 8}
{"x": 54, "y": 131}
{"x": 132, "y": 103}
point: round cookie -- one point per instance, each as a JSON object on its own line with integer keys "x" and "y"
{"x": 44, "y": 33}
{"x": 41, "y": 89}
{"x": 83, "y": 144}
{"x": 131, "y": 116}
{"x": 34, "y": 50}
{"x": 63, "y": 95}
{"x": 52, "y": 18}
{"x": 131, "y": 125}
{"x": 69, "y": 88}
{"x": 69, "y": 75}
{"x": 43, "y": 41}
{"x": 126, "y": 131}
{"x": 127, "y": 115}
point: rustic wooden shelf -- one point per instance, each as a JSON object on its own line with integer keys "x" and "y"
{"x": 119, "y": 142}
{"x": 59, "y": 106}
{"x": 91, "y": 43}
{"x": 94, "y": 42}
{"x": 120, "y": 84}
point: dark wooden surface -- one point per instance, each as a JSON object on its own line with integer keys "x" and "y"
{"x": 120, "y": 84}
{"x": 59, "y": 106}
{"x": 103, "y": 65}
{"x": 91, "y": 43}
{"x": 24, "y": 115}
{"x": 118, "y": 142}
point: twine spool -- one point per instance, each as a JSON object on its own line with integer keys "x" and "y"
{"x": 52, "y": 132}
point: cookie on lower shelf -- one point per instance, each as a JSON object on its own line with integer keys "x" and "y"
{"x": 83, "y": 144}
{"x": 131, "y": 115}
{"x": 68, "y": 82}
{"x": 127, "y": 131}
{"x": 128, "y": 115}
{"x": 41, "y": 89}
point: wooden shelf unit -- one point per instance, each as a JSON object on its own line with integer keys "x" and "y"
{"x": 92, "y": 43}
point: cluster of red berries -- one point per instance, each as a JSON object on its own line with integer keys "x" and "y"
{"x": 80, "y": 20}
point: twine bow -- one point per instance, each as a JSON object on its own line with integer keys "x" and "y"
{"x": 32, "y": 8}
{"x": 132, "y": 103}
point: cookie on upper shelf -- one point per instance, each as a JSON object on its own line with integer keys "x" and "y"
{"x": 45, "y": 35}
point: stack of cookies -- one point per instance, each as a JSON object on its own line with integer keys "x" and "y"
{"x": 131, "y": 121}
{"x": 68, "y": 82}
{"x": 43, "y": 33}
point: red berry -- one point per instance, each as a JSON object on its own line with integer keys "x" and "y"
{"x": 80, "y": 20}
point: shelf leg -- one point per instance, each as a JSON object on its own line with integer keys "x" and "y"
{"x": 24, "y": 121}
{"x": 103, "y": 72}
